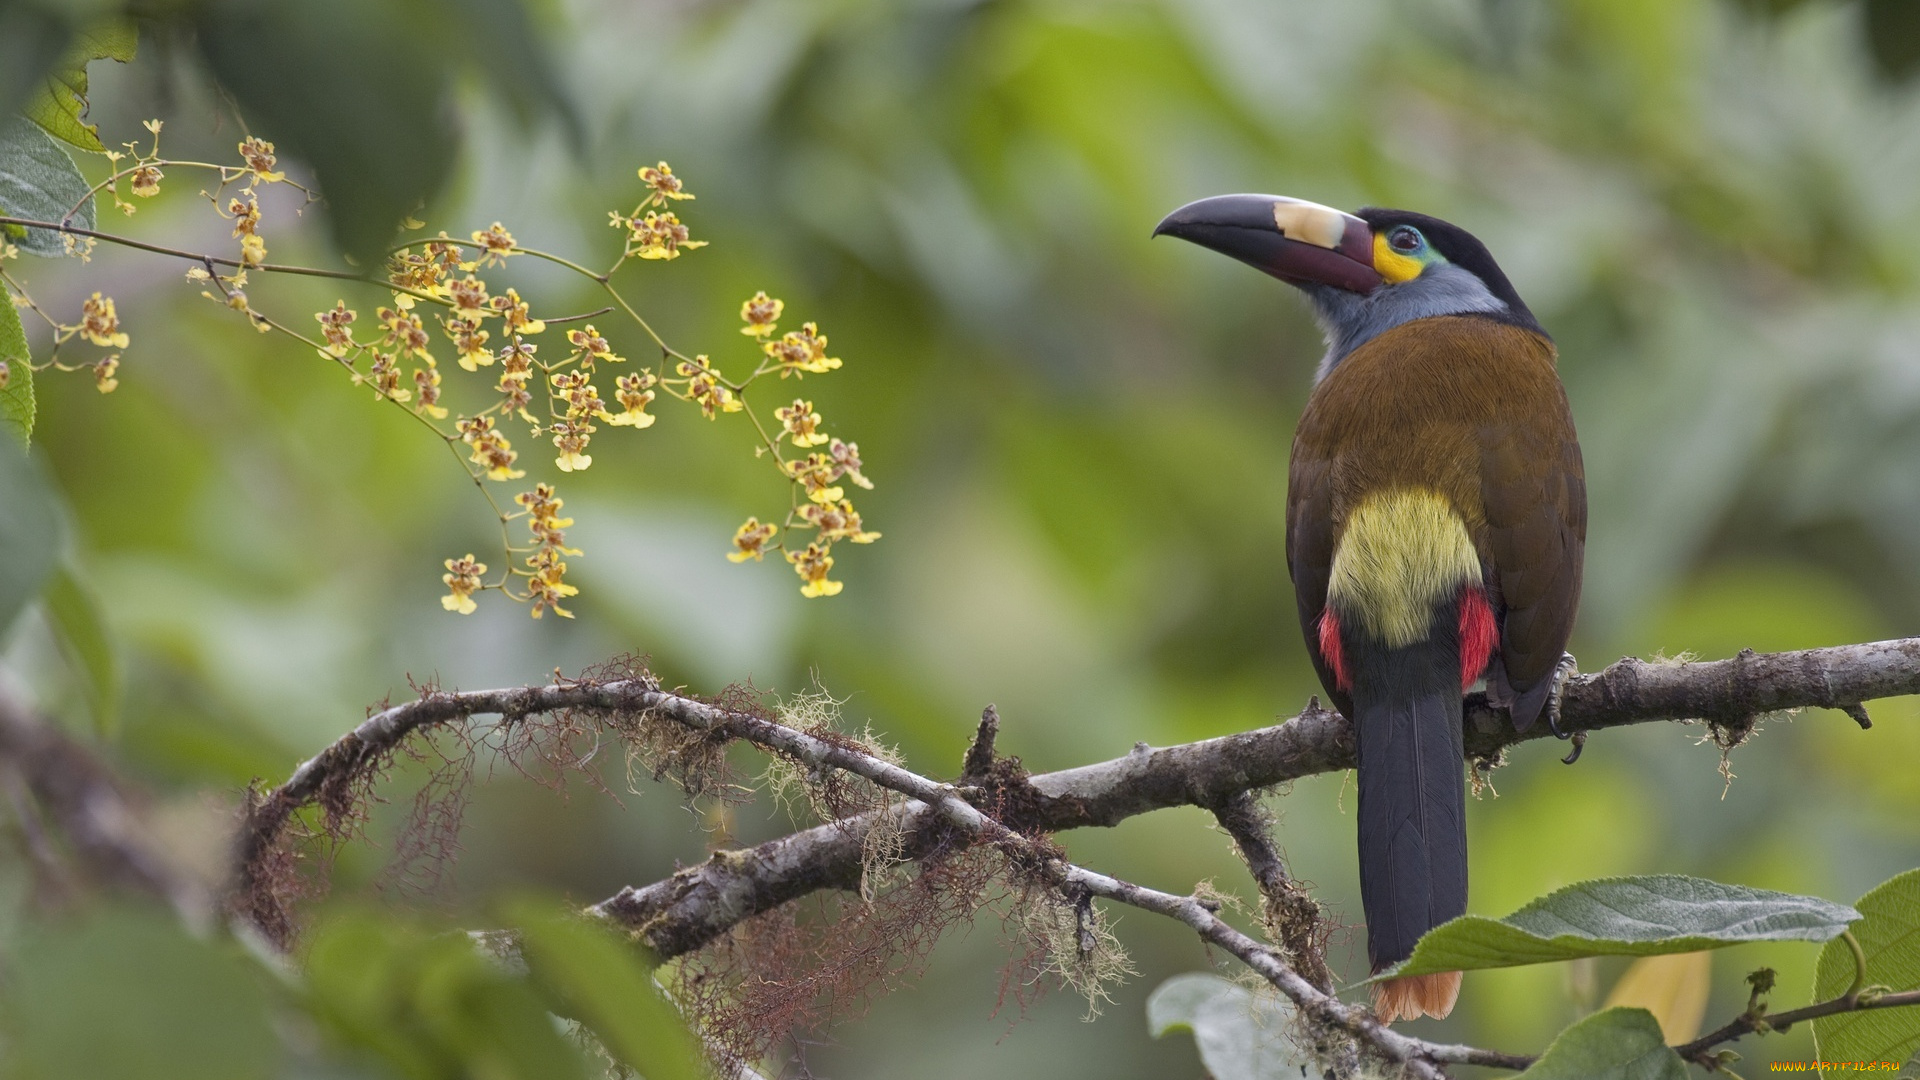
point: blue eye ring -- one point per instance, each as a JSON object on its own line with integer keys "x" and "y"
{"x": 1406, "y": 239}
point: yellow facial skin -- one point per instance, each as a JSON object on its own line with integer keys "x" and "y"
{"x": 1392, "y": 265}
{"x": 1404, "y": 551}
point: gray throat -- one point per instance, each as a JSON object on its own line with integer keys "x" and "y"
{"x": 1350, "y": 320}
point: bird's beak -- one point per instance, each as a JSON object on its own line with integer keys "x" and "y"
{"x": 1299, "y": 242}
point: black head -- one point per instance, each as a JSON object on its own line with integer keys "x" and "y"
{"x": 1457, "y": 246}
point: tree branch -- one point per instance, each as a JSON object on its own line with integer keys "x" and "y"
{"x": 1292, "y": 916}
{"x": 1417, "y": 1056}
{"x": 92, "y": 808}
{"x": 699, "y": 903}
{"x": 690, "y": 908}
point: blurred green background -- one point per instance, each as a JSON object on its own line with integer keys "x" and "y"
{"x": 1078, "y": 436}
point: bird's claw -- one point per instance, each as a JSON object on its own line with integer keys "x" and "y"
{"x": 1579, "y": 744}
{"x": 1562, "y": 672}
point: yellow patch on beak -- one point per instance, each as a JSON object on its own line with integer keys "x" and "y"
{"x": 1391, "y": 265}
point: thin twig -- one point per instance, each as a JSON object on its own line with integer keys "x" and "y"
{"x": 191, "y": 256}
{"x": 579, "y": 318}
{"x": 1753, "y": 1021}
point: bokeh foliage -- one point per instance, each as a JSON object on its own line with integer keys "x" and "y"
{"x": 1709, "y": 203}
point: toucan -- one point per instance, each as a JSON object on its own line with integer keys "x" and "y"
{"x": 1436, "y": 520}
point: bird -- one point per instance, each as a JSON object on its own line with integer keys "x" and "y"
{"x": 1436, "y": 524}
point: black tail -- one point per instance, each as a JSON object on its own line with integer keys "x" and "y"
{"x": 1413, "y": 836}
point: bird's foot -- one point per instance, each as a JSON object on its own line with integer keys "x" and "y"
{"x": 1562, "y": 672}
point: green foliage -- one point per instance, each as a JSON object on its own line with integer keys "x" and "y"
{"x": 1614, "y": 1044}
{"x": 1241, "y": 1035}
{"x": 32, "y": 37}
{"x": 29, "y": 532}
{"x": 62, "y": 100}
{"x": 362, "y": 90}
{"x": 1893, "y": 36}
{"x": 1626, "y": 916}
{"x": 345, "y": 86}
{"x": 1889, "y": 936}
{"x": 130, "y": 994}
{"x": 77, "y": 621}
{"x": 518, "y": 65}
{"x": 1087, "y": 432}
{"x": 599, "y": 980}
{"x": 429, "y": 1005}
{"x": 39, "y": 181}
{"x": 16, "y": 397}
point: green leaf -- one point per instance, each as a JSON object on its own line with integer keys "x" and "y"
{"x": 61, "y": 101}
{"x": 1626, "y": 916}
{"x": 1241, "y": 1035}
{"x": 32, "y": 39}
{"x": 131, "y": 994}
{"x": 16, "y": 398}
{"x": 39, "y": 181}
{"x": 77, "y": 622}
{"x": 593, "y": 977}
{"x": 429, "y": 1005}
{"x": 519, "y": 67}
{"x": 345, "y": 86}
{"x": 1615, "y": 1044}
{"x": 1889, "y": 935}
{"x": 30, "y": 530}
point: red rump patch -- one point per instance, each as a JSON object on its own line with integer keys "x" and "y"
{"x": 1478, "y": 635}
{"x": 1331, "y": 652}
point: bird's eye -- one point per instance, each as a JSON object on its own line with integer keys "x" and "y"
{"x": 1404, "y": 239}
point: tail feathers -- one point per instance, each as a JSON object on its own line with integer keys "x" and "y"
{"x": 1413, "y": 840}
{"x": 1416, "y": 996}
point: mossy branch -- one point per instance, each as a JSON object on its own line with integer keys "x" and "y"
{"x": 1005, "y": 810}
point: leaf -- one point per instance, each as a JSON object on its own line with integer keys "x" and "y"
{"x": 598, "y": 980}
{"x": 30, "y": 530}
{"x": 1625, "y": 916}
{"x": 519, "y": 68}
{"x": 1672, "y": 987}
{"x": 39, "y": 181}
{"x": 1889, "y": 935}
{"x": 345, "y": 86}
{"x": 1613, "y": 1044}
{"x": 1241, "y": 1035}
{"x": 17, "y": 407}
{"x": 429, "y": 1005}
{"x": 77, "y": 622}
{"x": 61, "y": 100}
{"x": 32, "y": 38}
{"x": 131, "y": 994}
